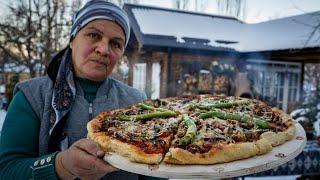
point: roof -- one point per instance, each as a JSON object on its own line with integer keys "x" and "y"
{"x": 161, "y": 27}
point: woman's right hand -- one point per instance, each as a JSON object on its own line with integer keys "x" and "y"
{"x": 82, "y": 160}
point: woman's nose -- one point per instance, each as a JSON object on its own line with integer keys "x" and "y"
{"x": 103, "y": 48}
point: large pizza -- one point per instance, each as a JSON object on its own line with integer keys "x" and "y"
{"x": 201, "y": 129}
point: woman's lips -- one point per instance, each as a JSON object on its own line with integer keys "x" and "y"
{"x": 100, "y": 62}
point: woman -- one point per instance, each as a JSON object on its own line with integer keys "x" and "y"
{"x": 44, "y": 133}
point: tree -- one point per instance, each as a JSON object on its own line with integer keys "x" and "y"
{"x": 181, "y": 4}
{"x": 201, "y": 5}
{"x": 33, "y": 31}
{"x": 315, "y": 29}
{"x": 308, "y": 113}
{"x": 13, "y": 80}
{"x": 120, "y": 3}
{"x": 234, "y": 8}
{"x": 2, "y": 62}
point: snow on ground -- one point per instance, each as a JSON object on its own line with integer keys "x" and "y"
{"x": 317, "y": 125}
{"x": 2, "y": 116}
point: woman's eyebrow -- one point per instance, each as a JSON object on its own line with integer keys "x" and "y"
{"x": 96, "y": 29}
{"x": 93, "y": 28}
{"x": 118, "y": 39}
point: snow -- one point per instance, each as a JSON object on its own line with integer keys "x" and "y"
{"x": 181, "y": 24}
{"x": 285, "y": 33}
{"x": 301, "y": 119}
{"x": 2, "y": 116}
{"x": 12, "y": 67}
{"x": 316, "y": 126}
{"x": 203, "y": 71}
{"x": 2, "y": 88}
{"x": 299, "y": 112}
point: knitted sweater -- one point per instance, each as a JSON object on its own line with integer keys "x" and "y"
{"x": 19, "y": 139}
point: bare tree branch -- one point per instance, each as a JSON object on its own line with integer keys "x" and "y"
{"x": 234, "y": 8}
{"x": 33, "y": 31}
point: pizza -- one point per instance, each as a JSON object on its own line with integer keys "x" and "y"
{"x": 198, "y": 129}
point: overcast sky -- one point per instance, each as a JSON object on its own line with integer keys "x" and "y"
{"x": 257, "y": 10}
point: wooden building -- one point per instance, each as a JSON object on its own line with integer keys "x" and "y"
{"x": 173, "y": 52}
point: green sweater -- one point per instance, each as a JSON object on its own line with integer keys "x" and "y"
{"x": 20, "y": 136}
{"x": 20, "y": 133}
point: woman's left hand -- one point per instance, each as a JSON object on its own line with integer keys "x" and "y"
{"x": 82, "y": 160}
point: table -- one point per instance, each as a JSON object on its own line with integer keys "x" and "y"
{"x": 307, "y": 162}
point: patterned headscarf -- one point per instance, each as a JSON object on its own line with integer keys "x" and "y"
{"x": 64, "y": 90}
{"x": 60, "y": 69}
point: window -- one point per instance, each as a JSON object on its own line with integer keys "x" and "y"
{"x": 139, "y": 76}
{"x": 277, "y": 82}
{"x": 155, "y": 87}
{"x": 151, "y": 84}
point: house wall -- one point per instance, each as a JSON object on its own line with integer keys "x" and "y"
{"x": 180, "y": 72}
{"x": 195, "y": 74}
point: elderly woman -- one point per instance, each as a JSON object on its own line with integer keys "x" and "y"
{"x": 44, "y": 133}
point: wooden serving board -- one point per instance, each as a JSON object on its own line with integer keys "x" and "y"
{"x": 279, "y": 155}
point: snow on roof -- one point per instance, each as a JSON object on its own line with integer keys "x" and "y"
{"x": 182, "y": 24}
{"x": 286, "y": 33}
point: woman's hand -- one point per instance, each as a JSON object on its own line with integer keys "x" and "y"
{"x": 82, "y": 160}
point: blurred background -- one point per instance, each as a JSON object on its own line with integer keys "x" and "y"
{"x": 267, "y": 50}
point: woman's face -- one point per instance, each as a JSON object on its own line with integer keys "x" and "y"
{"x": 96, "y": 49}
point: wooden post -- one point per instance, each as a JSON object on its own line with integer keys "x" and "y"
{"x": 170, "y": 74}
{"x": 164, "y": 76}
{"x": 301, "y": 82}
{"x": 149, "y": 78}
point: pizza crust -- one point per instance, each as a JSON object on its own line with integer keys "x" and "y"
{"x": 220, "y": 153}
{"x": 113, "y": 145}
{"x": 276, "y": 139}
{"x": 279, "y": 138}
{"x": 231, "y": 152}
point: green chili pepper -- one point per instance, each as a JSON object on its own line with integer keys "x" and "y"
{"x": 242, "y": 118}
{"x": 161, "y": 114}
{"x": 225, "y": 116}
{"x": 221, "y": 104}
{"x": 263, "y": 124}
{"x": 191, "y": 131}
{"x": 148, "y": 107}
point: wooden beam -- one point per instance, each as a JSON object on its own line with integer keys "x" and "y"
{"x": 170, "y": 74}
{"x": 149, "y": 78}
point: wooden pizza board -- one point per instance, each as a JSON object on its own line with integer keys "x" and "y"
{"x": 278, "y": 156}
